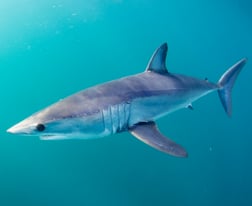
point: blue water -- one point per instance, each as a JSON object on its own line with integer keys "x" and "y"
{"x": 51, "y": 49}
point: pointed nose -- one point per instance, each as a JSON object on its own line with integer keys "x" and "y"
{"x": 19, "y": 128}
{"x": 25, "y": 127}
{"x": 13, "y": 130}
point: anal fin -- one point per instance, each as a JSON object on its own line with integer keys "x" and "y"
{"x": 189, "y": 106}
{"x": 149, "y": 134}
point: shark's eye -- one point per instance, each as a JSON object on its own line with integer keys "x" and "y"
{"x": 40, "y": 127}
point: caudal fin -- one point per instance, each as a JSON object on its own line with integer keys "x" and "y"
{"x": 226, "y": 84}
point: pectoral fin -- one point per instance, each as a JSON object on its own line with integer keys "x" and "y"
{"x": 149, "y": 134}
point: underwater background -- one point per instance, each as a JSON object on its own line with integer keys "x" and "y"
{"x": 52, "y": 48}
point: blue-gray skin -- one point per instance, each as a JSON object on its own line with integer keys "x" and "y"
{"x": 129, "y": 104}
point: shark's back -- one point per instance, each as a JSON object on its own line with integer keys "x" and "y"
{"x": 128, "y": 90}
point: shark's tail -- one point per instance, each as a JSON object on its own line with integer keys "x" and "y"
{"x": 226, "y": 84}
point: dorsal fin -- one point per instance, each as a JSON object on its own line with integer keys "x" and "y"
{"x": 157, "y": 61}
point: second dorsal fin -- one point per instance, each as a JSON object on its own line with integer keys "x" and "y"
{"x": 157, "y": 61}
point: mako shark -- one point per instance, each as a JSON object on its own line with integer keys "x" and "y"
{"x": 130, "y": 104}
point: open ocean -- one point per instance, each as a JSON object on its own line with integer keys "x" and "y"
{"x": 52, "y": 48}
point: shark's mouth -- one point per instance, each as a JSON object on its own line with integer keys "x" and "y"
{"x": 53, "y": 137}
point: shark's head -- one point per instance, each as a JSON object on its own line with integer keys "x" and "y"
{"x": 28, "y": 127}
{"x": 40, "y": 124}
{"x": 50, "y": 123}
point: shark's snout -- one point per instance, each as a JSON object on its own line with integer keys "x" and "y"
{"x": 24, "y": 127}
{"x": 16, "y": 129}
{"x": 11, "y": 130}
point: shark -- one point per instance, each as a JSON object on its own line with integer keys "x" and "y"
{"x": 129, "y": 104}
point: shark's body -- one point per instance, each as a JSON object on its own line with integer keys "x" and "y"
{"x": 129, "y": 104}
